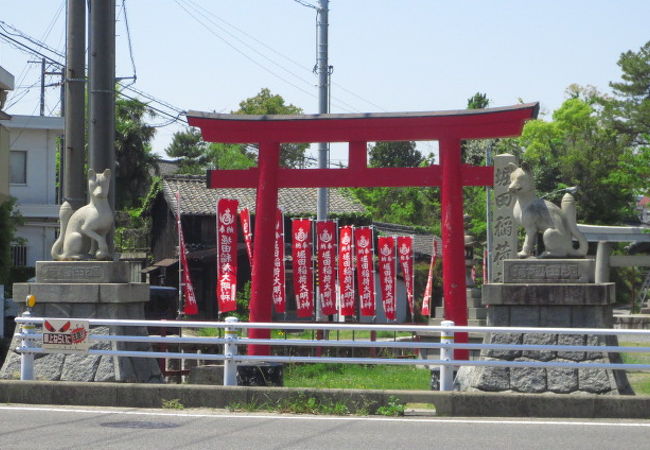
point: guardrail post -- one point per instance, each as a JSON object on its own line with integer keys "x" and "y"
{"x": 26, "y": 358}
{"x": 230, "y": 351}
{"x": 446, "y": 354}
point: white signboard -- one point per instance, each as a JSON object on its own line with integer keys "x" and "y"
{"x": 66, "y": 334}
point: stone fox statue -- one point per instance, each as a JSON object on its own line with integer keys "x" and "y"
{"x": 83, "y": 232}
{"x": 557, "y": 225}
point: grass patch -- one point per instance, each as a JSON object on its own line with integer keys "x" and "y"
{"x": 348, "y": 376}
{"x": 173, "y": 403}
{"x": 639, "y": 379}
{"x": 300, "y": 404}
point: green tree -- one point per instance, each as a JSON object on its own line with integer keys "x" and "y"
{"x": 631, "y": 107}
{"x": 196, "y": 156}
{"x": 134, "y": 159}
{"x": 403, "y": 205}
{"x": 190, "y": 149}
{"x": 395, "y": 154}
{"x": 579, "y": 149}
{"x": 292, "y": 155}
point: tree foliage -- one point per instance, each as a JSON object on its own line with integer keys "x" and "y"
{"x": 190, "y": 149}
{"x": 134, "y": 158}
{"x": 195, "y": 155}
{"x": 577, "y": 148}
{"x": 395, "y": 154}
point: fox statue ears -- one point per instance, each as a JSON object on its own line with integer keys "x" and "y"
{"x": 524, "y": 166}
{"x": 93, "y": 174}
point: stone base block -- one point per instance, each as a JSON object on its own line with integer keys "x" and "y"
{"x": 557, "y": 271}
{"x": 82, "y": 292}
{"x": 549, "y": 294}
{"x": 82, "y": 272}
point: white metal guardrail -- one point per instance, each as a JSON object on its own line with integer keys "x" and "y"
{"x": 32, "y": 343}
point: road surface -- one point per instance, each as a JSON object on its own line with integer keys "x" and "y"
{"x": 48, "y": 427}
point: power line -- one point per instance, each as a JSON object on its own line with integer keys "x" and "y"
{"x": 280, "y": 54}
{"x": 341, "y": 104}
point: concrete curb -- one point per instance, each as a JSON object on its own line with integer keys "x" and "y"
{"x": 465, "y": 404}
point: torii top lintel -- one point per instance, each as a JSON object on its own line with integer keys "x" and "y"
{"x": 461, "y": 124}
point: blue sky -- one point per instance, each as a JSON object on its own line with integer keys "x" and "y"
{"x": 388, "y": 55}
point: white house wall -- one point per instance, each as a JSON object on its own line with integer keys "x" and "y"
{"x": 36, "y": 199}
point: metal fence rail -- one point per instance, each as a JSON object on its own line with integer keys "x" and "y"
{"x": 30, "y": 340}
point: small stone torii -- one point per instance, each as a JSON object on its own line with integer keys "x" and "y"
{"x": 449, "y": 128}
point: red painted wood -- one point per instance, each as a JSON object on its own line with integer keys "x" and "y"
{"x": 465, "y": 124}
{"x": 263, "y": 244}
{"x": 363, "y": 177}
{"x": 449, "y": 128}
{"x": 453, "y": 241}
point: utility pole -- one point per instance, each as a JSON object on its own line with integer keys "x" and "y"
{"x": 74, "y": 104}
{"x": 323, "y": 70}
{"x": 101, "y": 97}
{"x": 322, "y": 67}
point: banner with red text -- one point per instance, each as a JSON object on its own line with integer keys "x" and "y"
{"x": 405, "y": 253}
{"x": 279, "y": 292}
{"x": 303, "y": 276}
{"x": 245, "y": 219}
{"x": 189, "y": 304}
{"x": 346, "y": 272}
{"x": 387, "y": 274}
{"x": 365, "y": 270}
{"x": 227, "y": 254}
{"x": 426, "y": 301}
{"x": 325, "y": 259}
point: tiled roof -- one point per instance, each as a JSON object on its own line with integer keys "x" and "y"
{"x": 422, "y": 242}
{"x": 198, "y": 199}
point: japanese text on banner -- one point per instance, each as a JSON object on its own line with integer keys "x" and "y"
{"x": 227, "y": 254}
{"x": 325, "y": 257}
{"x": 387, "y": 275}
{"x": 303, "y": 277}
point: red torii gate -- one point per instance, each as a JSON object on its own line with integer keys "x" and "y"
{"x": 447, "y": 127}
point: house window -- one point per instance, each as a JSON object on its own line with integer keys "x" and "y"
{"x": 18, "y": 167}
{"x": 19, "y": 255}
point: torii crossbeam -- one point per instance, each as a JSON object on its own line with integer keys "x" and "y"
{"x": 449, "y": 128}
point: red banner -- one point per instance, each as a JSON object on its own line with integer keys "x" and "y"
{"x": 279, "y": 293}
{"x": 387, "y": 274}
{"x": 426, "y": 301}
{"x": 189, "y": 305}
{"x": 405, "y": 252}
{"x": 227, "y": 254}
{"x": 365, "y": 270}
{"x": 325, "y": 257}
{"x": 346, "y": 271}
{"x": 303, "y": 276}
{"x": 245, "y": 219}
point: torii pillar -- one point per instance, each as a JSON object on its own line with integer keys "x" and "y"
{"x": 449, "y": 128}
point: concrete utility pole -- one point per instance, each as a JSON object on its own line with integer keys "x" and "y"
{"x": 322, "y": 208}
{"x": 101, "y": 97}
{"x": 74, "y": 103}
{"x": 323, "y": 99}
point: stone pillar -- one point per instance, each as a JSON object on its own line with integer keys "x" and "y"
{"x": 504, "y": 230}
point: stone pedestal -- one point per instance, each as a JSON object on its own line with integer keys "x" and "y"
{"x": 87, "y": 289}
{"x": 547, "y": 293}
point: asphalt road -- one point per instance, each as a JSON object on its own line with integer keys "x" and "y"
{"x": 44, "y": 427}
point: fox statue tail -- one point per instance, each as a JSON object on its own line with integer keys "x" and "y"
{"x": 569, "y": 213}
{"x": 65, "y": 212}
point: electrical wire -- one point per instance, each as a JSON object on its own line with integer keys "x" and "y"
{"x": 282, "y": 55}
{"x": 128, "y": 39}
